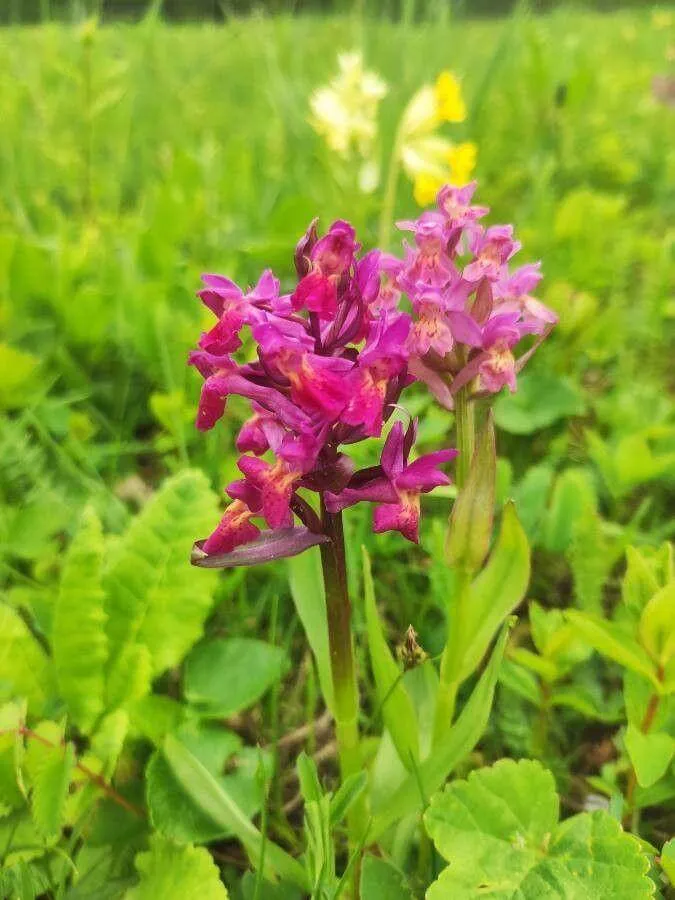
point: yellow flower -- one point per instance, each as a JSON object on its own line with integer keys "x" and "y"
{"x": 462, "y": 162}
{"x": 344, "y": 112}
{"x": 429, "y": 159}
{"x": 426, "y": 188}
{"x": 434, "y": 161}
{"x": 449, "y": 101}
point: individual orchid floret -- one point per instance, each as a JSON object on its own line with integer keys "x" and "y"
{"x": 234, "y": 529}
{"x": 514, "y": 295}
{"x": 491, "y": 249}
{"x": 428, "y": 264}
{"x": 396, "y": 485}
{"x": 455, "y": 204}
{"x": 329, "y": 259}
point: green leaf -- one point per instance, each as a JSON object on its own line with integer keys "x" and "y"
{"x": 458, "y": 742}
{"x": 639, "y": 583}
{"x": 79, "y": 642}
{"x": 216, "y": 802}
{"x": 499, "y": 831}
{"x": 25, "y": 670}
{"x": 470, "y": 528}
{"x": 572, "y": 500}
{"x": 346, "y": 795}
{"x": 591, "y": 559}
{"x": 381, "y": 880}
{"x": 612, "y": 641}
{"x": 49, "y": 767}
{"x": 540, "y": 401}
{"x": 657, "y": 625}
{"x": 668, "y": 860}
{"x": 531, "y": 497}
{"x": 393, "y": 699}
{"x": 129, "y": 677}
{"x": 18, "y": 377}
{"x": 497, "y": 590}
{"x": 175, "y": 813}
{"x": 225, "y": 676}
{"x": 650, "y": 754}
{"x": 155, "y": 598}
{"x": 305, "y": 578}
{"x": 12, "y": 716}
{"x": 171, "y": 872}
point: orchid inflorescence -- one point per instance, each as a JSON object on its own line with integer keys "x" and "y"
{"x": 334, "y": 357}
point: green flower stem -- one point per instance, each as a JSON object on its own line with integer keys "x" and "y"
{"x": 389, "y": 198}
{"x": 345, "y": 690}
{"x": 452, "y": 653}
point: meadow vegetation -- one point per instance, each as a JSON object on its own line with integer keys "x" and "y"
{"x": 133, "y": 158}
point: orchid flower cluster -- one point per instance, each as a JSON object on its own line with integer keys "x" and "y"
{"x": 333, "y": 357}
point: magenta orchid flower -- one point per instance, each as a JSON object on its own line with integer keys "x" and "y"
{"x": 332, "y": 359}
{"x": 329, "y": 365}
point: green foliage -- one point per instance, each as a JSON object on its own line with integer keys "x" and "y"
{"x": 24, "y": 666}
{"x": 151, "y": 597}
{"x": 49, "y": 767}
{"x": 379, "y": 878}
{"x": 223, "y": 677}
{"x": 396, "y": 705}
{"x": 499, "y": 831}
{"x": 79, "y": 645}
{"x": 174, "y": 872}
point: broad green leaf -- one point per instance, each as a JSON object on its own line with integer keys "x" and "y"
{"x": 154, "y": 597}
{"x": 497, "y": 590}
{"x": 499, "y": 831}
{"x": 49, "y": 767}
{"x": 79, "y": 642}
{"x": 12, "y": 717}
{"x": 171, "y": 872}
{"x": 174, "y": 813}
{"x": 155, "y": 715}
{"x": 228, "y": 675}
{"x": 639, "y": 583}
{"x": 18, "y": 376}
{"x": 214, "y": 800}
{"x": 650, "y": 754}
{"x": 573, "y": 499}
{"x": 540, "y": 401}
{"x": 531, "y": 497}
{"x": 381, "y": 880}
{"x": 591, "y": 559}
{"x": 612, "y": 641}
{"x": 470, "y": 527}
{"x": 305, "y": 579}
{"x": 668, "y": 860}
{"x": 129, "y": 676}
{"x": 25, "y": 670}
{"x": 393, "y": 699}
{"x": 657, "y": 625}
{"x": 457, "y": 744}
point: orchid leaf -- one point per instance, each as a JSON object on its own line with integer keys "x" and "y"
{"x": 457, "y": 743}
{"x": 497, "y": 590}
{"x": 394, "y": 701}
{"x": 306, "y": 583}
{"x": 472, "y": 515}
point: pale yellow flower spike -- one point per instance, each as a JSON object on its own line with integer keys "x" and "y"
{"x": 449, "y": 101}
{"x": 425, "y": 189}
